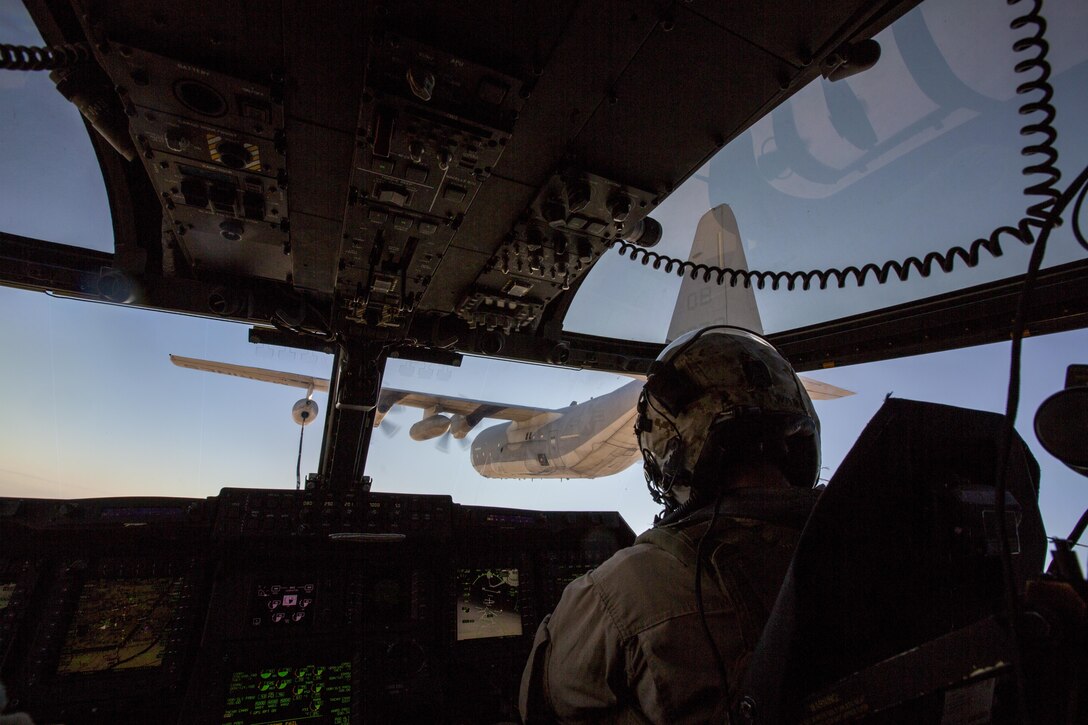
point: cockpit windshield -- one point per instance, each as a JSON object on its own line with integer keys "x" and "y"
{"x": 921, "y": 153}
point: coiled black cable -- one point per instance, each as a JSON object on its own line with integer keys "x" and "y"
{"x": 1047, "y": 167}
{"x": 1042, "y": 150}
{"x": 53, "y": 57}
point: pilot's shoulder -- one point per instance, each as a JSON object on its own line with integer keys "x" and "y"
{"x": 642, "y": 586}
{"x": 642, "y": 557}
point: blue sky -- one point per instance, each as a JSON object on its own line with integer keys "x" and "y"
{"x": 95, "y": 408}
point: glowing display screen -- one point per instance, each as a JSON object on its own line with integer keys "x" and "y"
{"x": 120, "y": 625}
{"x": 487, "y": 603}
{"x": 278, "y": 696}
{"x": 283, "y": 605}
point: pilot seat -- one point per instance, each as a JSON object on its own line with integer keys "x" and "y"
{"x": 892, "y": 609}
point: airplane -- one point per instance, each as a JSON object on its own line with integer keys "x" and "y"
{"x": 591, "y": 439}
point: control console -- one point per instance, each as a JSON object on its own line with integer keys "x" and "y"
{"x": 263, "y": 605}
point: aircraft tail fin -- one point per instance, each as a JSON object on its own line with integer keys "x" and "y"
{"x": 717, "y": 244}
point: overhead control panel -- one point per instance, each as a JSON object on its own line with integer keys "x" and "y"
{"x": 572, "y": 221}
{"x": 214, "y": 149}
{"x": 432, "y": 127}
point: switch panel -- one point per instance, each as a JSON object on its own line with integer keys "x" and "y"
{"x": 214, "y": 149}
{"x": 432, "y": 127}
{"x": 572, "y": 221}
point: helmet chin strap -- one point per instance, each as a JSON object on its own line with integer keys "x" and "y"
{"x": 681, "y": 494}
{"x": 670, "y": 471}
{"x": 676, "y": 510}
{"x": 673, "y": 472}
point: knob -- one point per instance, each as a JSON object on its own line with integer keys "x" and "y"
{"x": 585, "y": 250}
{"x": 231, "y": 230}
{"x": 579, "y": 193}
{"x": 232, "y": 154}
{"x": 553, "y": 211}
{"x": 176, "y": 140}
{"x": 415, "y": 151}
{"x": 421, "y": 82}
{"x": 619, "y": 207}
{"x": 444, "y": 158}
{"x": 534, "y": 239}
{"x": 560, "y": 245}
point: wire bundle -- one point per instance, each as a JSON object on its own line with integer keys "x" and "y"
{"x": 54, "y": 57}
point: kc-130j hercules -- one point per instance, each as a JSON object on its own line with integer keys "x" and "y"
{"x": 583, "y": 440}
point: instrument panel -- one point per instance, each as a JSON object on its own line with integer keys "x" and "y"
{"x": 260, "y": 606}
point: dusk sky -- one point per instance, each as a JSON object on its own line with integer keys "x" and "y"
{"x": 94, "y": 408}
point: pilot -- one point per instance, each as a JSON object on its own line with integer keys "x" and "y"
{"x": 662, "y": 631}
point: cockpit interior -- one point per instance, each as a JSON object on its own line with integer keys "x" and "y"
{"x": 463, "y": 232}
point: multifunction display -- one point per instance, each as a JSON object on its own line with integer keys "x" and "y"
{"x": 487, "y": 603}
{"x": 314, "y": 694}
{"x": 120, "y": 625}
{"x": 283, "y": 605}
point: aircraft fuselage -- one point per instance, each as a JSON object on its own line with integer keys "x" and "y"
{"x": 587, "y": 440}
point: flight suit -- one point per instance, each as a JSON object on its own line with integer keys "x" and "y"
{"x": 625, "y": 645}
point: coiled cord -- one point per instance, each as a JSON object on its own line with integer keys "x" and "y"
{"x": 1043, "y": 151}
{"x": 1041, "y": 84}
{"x": 53, "y": 57}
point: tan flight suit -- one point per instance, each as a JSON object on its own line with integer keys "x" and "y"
{"x": 624, "y": 644}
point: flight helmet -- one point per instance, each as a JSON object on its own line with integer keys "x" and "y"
{"x": 722, "y": 396}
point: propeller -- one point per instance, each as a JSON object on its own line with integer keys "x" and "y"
{"x": 452, "y": 426}
{"x": 387, "y": 407}
{"x": 389, "y": 427}
{"x": 443, "y": 443}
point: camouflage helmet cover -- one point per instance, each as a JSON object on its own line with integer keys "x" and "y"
{"x": 711, "y": 375}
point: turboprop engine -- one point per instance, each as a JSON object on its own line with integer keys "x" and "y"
{"x": 430, "y": 427}
{"x": 460, "y": 426}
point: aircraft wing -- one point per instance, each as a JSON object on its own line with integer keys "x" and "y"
{"x": 823, "y": 391}
{"x": 473, "y": 410}
{"x": 244, "y": 371}
{"x": 816, "y": 389}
